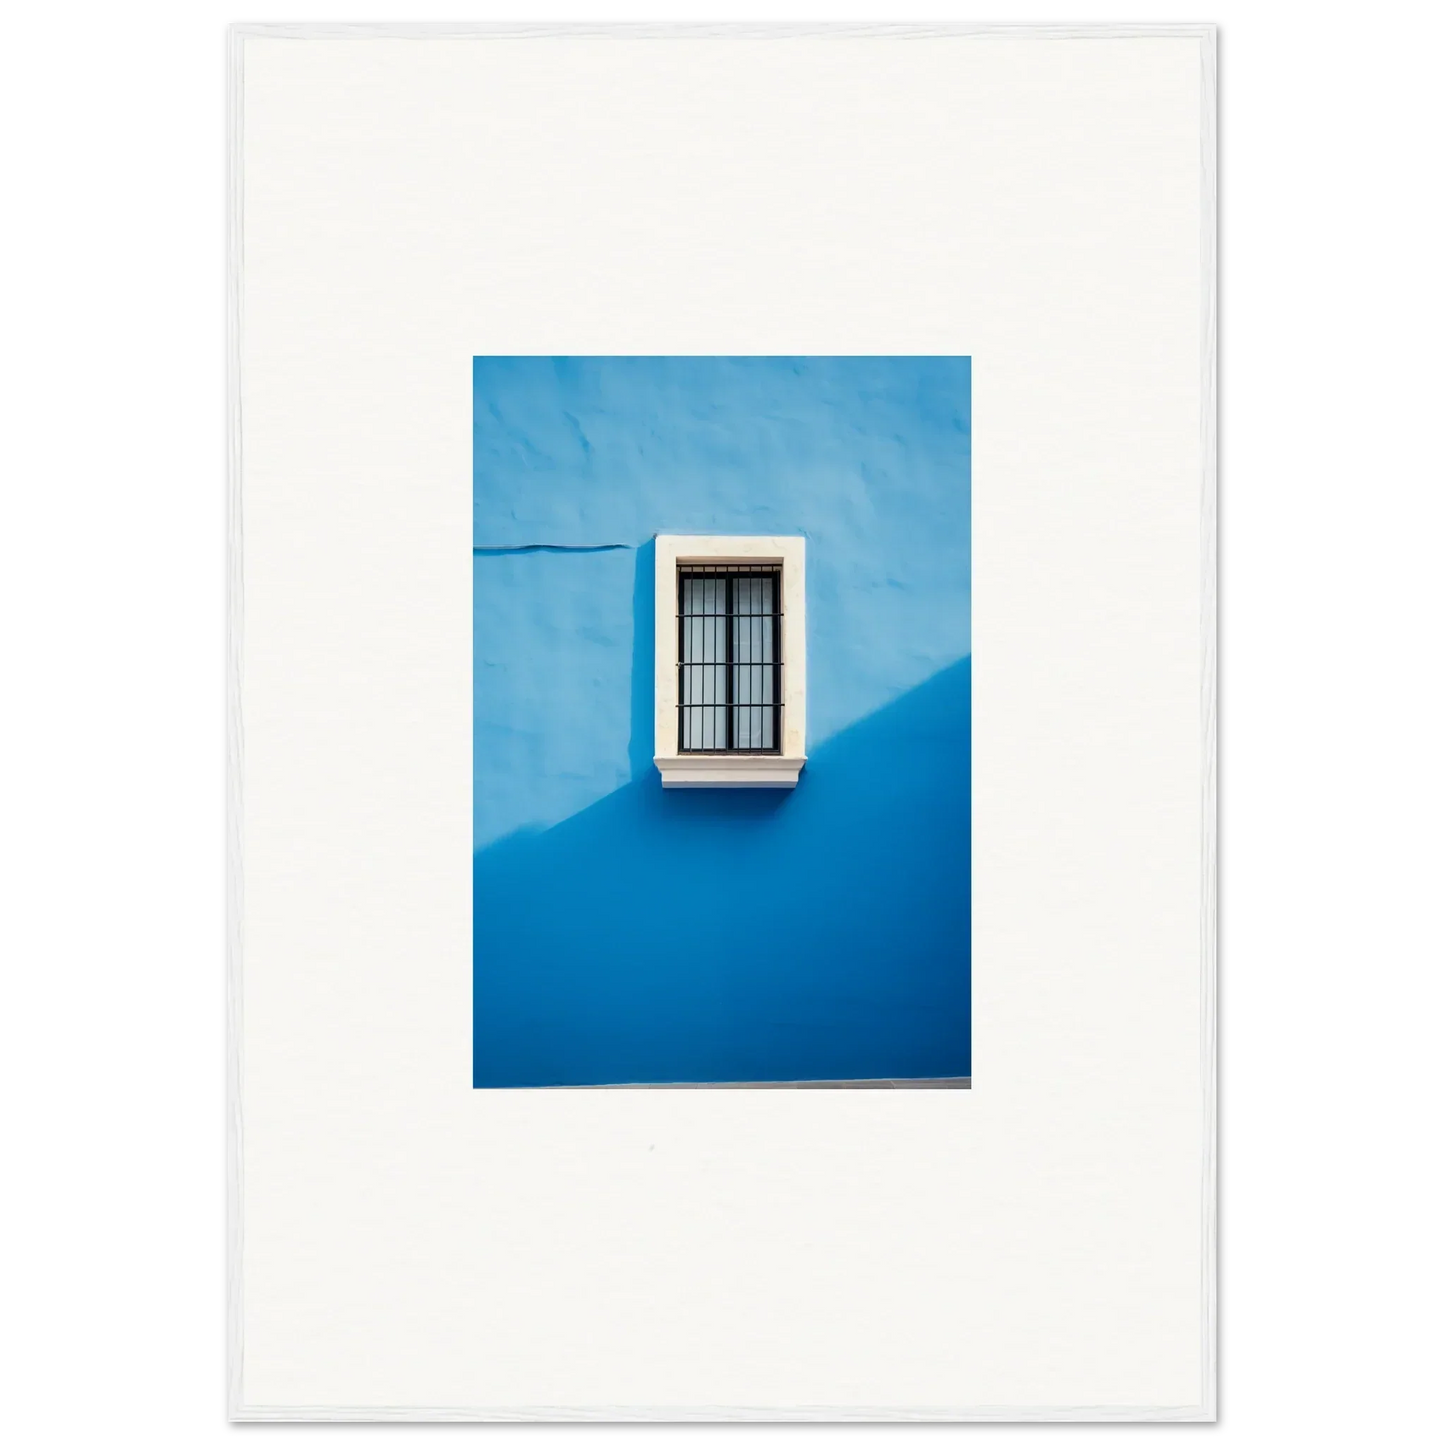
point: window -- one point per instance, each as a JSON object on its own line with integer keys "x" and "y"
{"x": 731, "y": 661}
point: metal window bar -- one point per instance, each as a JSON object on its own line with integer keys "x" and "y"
{"x": 729, "y": 658}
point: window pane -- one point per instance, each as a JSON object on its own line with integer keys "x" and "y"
{"x": 704, "y": 663}
{"x": 728, "y": 674}
{"x": 753, "y": 656}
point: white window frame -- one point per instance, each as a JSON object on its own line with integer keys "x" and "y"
{"x": 733, "y": 770}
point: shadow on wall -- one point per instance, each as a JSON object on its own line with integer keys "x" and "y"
{"x": 722, "y": 936}
{"x": 644, "y": 663}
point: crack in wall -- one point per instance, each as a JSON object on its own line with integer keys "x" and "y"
{"x": 549, "y": 547}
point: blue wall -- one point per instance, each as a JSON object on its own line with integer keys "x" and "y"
{"x": 627, "y": 934}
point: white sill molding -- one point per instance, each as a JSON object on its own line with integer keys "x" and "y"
{"x": 729, "y": 770}
{"x": 732, "y": 770}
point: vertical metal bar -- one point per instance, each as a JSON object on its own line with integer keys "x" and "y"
{"x": 755, "y": 663}
{"x": 755, "y": 670}
{"x": 749, "y": 708}
{"x": 707, "y": 738}
{"x": 740, "y": 666}
{"x": 752, "y": 665}
{"x": 760, "y": 687}
{"x": 746, "y": 622}
{"x": 778, "y": 660}
{"x": 728, "y": 607}
{"x": 717, "y": 634}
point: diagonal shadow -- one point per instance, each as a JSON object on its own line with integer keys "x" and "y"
{"x": 727, "y": 935}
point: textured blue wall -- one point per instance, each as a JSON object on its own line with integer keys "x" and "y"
{"x": 627, "y": 934}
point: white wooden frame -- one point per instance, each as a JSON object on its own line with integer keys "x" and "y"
{"x": 739, "y": 770}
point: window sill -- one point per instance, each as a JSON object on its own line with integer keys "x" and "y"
{"x": 730, "y": 770}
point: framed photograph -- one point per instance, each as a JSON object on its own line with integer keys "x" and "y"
{"x": 823, "y": 712}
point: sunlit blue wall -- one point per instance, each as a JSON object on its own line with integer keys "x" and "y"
{"x": 627, "y": 934}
